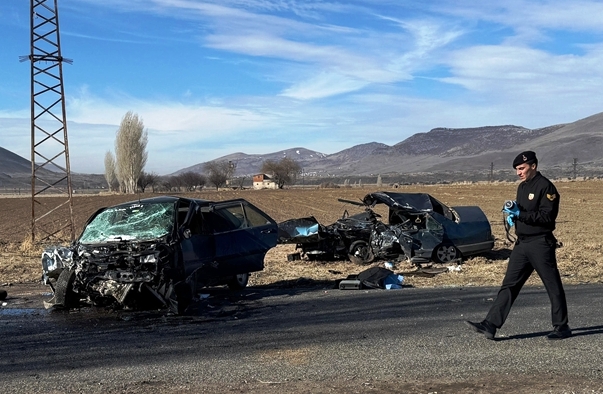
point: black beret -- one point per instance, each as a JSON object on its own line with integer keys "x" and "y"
{"x": 528, "y": 157}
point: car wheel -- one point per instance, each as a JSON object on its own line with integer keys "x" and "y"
{"x": 64, "y": 295}
{"x": 238, "y": 282}
{"x": 445, "y": 253}
{"x": 361, "y": 253}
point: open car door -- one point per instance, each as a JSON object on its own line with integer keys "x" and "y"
{"x": 242, "y": 235}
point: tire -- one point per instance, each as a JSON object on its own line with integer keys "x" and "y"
{"x": 238, "y": 282}
{"x": 360, "y": 253}
{"x": 64, "y": 296}
{"x": 445, "y": 253}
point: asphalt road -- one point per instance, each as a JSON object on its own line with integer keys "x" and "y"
{"x": 304, "y": 340}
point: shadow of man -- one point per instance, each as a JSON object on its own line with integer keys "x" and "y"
{"x": 576, "y": 332}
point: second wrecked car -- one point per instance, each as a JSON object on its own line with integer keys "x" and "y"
{"x": 418, "y": 228}
{"x": 159, "y": 251}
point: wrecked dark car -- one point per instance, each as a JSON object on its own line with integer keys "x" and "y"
{"x": 158, "y": 252}
{"x": 418, "y": 228}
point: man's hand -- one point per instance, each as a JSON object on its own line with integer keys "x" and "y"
{"x": 514, "y": 211}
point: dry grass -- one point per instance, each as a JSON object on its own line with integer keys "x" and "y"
{"x": 580, "y": 259}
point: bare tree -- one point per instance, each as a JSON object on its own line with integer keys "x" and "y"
{"x": 192, "y": 180}
{"x": 239, "y": 182}
{"x": 166, "y": 183}
{"x": 110, "y": 176}
{"x": 283, "y": 171}
{"x": 219, "y": 172}
{"x": 173, "y": 183}
{"x": 147, "y": 179}
{"x": 130, "y": 151}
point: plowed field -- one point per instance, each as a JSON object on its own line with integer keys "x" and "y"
{"x": 578, "y": 228}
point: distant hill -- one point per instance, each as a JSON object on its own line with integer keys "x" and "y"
{"x": 12, "y": 164}
{"x": 445, "y": 150}
{"x": 15, "y": 173}
{"x": 251, "y": 164}
{"x": 438, "y": 151}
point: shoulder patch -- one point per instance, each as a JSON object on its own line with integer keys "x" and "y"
{"x": 551, "y": 197}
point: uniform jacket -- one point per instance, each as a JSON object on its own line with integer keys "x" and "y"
{"x": 538, "y": 202}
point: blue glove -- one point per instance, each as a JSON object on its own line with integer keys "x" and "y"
{"x": 514, "y": 211}
{"x": 511, "y": 220}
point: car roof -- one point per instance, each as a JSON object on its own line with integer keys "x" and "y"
{"x": 162, "y": 199}
{"x": 409, "y": 201}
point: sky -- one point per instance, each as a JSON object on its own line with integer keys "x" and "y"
{"x": 211, "y": 78}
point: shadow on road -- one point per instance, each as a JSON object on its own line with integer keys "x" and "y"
{"x": 576, "y": 332}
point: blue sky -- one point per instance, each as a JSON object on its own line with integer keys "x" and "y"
{"x": 210, "y": 78}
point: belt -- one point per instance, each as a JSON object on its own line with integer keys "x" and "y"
{"x": 528, "y": 238}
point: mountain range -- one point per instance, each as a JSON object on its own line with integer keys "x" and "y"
{"x": 15, "y": 173}
{"x": 446, "y": 150}
{"x": 440, "y": 150}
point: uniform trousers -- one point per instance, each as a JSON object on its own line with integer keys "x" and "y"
{"x": 535, "y": 253}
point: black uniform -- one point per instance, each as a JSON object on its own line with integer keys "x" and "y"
{"x": 538, "y": 202}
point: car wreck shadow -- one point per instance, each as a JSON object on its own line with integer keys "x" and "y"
{"x": 223, "y": 302}
{"x": 215, "y": 303}
{"x": 210, "y": 304}
{"x": 299, "y": 285}
{"x": 498, "y": 254}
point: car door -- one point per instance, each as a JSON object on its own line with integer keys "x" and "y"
{"x": 242, "y": 235}
{"x": 472, "y": 233}
{"x": 196, "y": 239}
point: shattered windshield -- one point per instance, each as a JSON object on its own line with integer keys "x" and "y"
{"x": 138, "y": 221}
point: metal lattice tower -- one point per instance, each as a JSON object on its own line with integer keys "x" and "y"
{"x": 51, "y": 191}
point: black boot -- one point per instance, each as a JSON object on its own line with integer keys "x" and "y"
{"x": 483, "y": 328}
{"x": 560, "y": 332}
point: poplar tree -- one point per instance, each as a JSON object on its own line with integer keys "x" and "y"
{"x": 130, "y": 151}
{"x": 110, "y": 176}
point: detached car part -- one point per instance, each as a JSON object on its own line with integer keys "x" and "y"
{"x": 159, "y": 252}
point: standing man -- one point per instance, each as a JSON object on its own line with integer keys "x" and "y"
{"x": 533, "y": 215}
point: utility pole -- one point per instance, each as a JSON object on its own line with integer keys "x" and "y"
{"x": 575, "y": 166}
{"x": 491, "y": 171}
{"x": 51, "y": 191}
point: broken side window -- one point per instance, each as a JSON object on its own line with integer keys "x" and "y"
{"x": 432, "y": 224}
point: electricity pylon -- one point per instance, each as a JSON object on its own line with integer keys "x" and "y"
{"x": 51, "y": 191}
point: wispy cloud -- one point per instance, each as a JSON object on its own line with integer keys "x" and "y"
{"x": 324, "y": 85}
{"x": 216, "y": 76}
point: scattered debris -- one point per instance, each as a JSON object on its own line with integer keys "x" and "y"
{"x": 350, "y": 284}
{"x": 373, "y": 278}
{"x": 425, "y": 272}
{"x": 293, "y": 257}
